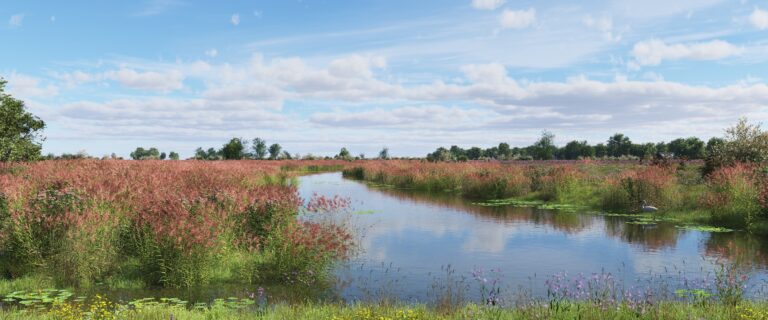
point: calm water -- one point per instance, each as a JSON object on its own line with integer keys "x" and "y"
{"x": 408, "y": 239}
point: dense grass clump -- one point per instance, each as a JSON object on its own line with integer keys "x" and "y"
{"x": 167, "y": 223}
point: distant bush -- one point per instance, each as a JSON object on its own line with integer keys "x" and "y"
{"x": 743, "y": 143}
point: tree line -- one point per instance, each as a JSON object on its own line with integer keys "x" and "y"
{"x": 617, "y": 146}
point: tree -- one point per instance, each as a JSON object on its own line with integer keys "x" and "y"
{"x": 384, "y": 154}
{"x": 162, "y": 156}
{"x": 545, "y": 148}
{"x": 713, "y": 144}
{"x": 259, "y": 148}
{"x": 474, "y": 153}
{"x": 744, "y": 142}
{"x": 440, "y": 155}
{"x": 504, "y": 151}
{"x": 20, "y": 131}
{"x": 274, "y": 151}
{"x": 690, "y": 148}
{"x": 173, "y": 155}
{"x": 577, "y": 149}
{"x": 619, "y": 145}
{"x": 145, "y": 154}
{"x": 233, "y": 150}
{"x": 286, "y": 156}
{"x": 601, "y": 150}
{"x": 344, "y": 154}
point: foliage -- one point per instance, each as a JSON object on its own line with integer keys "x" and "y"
{"x": 171, "y": 222}
{"x": 145, "y": 154}
{"x": 743, "y": 143}
{"x": 20, "y": 131}
{"x": 259, "y": 148}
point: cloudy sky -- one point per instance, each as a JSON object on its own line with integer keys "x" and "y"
{"x": 316, "y": 75}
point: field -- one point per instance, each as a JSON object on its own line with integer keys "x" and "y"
{"x": 91, "y": 226}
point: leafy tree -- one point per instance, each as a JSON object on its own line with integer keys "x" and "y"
{"x": 713, "y": 144}
{"x": 619, "y": 145}
{"x": 441, "y": 154}
{"x": 384, "y": 153}
{"x": 259, "y": 148}
{"x": 173, "y": 155}
{"x": 212, "y": 154}
{"x": 20, "y": 131}
{"x": 504, "y": 151}
{"x": 744, "y": 142}
{"x": 689, "y": 148}
{"x": 601, "y": 150}
{"x": 545, "y": 148}
{"x": 233, "y": 150}
{"x": 474, "y": 153}
{"x": 286, "y": 156}
{"x": 457, "y": 152}
{"x": 344, "y": 154}
{"x": 274, "y": 151}
{"x": 577, "y": 149}
{"x": 145, "y": 154}
{"x": 162, "y": 156}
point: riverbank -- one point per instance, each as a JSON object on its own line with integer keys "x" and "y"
{"x": 731, "y": 197}
{"x": 671, "y": 310}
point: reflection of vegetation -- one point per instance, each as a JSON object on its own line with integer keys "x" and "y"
{"x": 652, "y": 235}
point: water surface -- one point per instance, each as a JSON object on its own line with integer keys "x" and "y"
{"x": 410, "y": 242}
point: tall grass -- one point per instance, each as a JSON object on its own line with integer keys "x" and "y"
{"x": 735, "y": 196}
{"x": 80, "y": 221}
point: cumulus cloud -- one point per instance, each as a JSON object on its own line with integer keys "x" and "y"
{"x": 759, "y": 19}
{"x": 487, "y": 98}
{"x": 27, "y": 86}
{"x": 212, "y": 53}
{"x": 487, "y": 4}
{"x": 149, "y": 80}
{"x": 517, "y": 19}
{"x": 16, "y": 20}
{"x": 653, "y": 52}
{"x": 235, "y": 19}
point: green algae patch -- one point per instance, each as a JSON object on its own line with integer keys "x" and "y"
{"x": 509, "y": 202}
{"x": 705, "y": 228}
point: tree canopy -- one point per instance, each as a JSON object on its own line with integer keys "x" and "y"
{"x": 20, "y": 131}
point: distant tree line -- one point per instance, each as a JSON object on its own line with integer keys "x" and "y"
{"x": 152, "y": 154}
{"x": 239, "y": 149}
{"x": 617, "y": 146}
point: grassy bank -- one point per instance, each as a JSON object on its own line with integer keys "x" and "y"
{"x": 104, "y": 309}
{"x": 156, "y": 223}
{"x": 733, "y": 197}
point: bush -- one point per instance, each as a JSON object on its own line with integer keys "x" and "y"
{"x": 734, "y": 196}
{"x": 653, "y": 184}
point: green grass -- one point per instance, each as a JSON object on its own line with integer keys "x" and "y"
{"x": 670, "y": 310}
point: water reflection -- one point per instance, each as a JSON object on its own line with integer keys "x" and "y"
{"x": 410, "y": 237}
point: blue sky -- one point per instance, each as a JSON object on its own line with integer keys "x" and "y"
{"x": 410, "y": 75}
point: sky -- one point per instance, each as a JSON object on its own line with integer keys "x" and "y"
{"x": 318, "y": 75}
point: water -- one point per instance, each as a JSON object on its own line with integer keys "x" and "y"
{"x": 408, "y": 239}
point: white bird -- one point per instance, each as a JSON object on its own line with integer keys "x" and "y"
{"x": 647, "y": 208}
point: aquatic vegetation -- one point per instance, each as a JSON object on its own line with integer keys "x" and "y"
{"x": 705, "y": 228}
{"x": 732, "y": 197}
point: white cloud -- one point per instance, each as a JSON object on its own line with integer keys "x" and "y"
{"x": 16, "y": 20}
{"x": 27, "y": 86}
{"x": 235, "y": 19}
{"x": 604, "y": 25}
{"x": 653, "y": 52}
{"x": 487, "y": 4}
{"x": 212, "y": 53}
{"x": 759, "y": 19}
{"x": 356, "y": 66}
{"x": 517, "y": 19}
{"x": 150, "y": 80}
